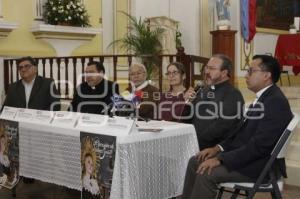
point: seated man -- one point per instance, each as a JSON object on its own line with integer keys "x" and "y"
{"x": 218, "y": 106}
{"x": 32, "y": 91}
{"x": 138, "y": 75}
{"x": 95, "y": 94}
{"x": 242, "y": 157}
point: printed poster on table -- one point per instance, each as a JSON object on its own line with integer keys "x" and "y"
{"x": 97, "y": 164}
{"x": 9, "y": 153}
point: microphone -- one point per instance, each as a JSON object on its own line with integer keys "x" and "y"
{"x": 199, "y": 86}
{"x": 116, "y": 102}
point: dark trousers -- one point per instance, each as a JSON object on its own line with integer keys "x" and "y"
{"x": 206, "y": 186}
{"x": 1, "y": 170}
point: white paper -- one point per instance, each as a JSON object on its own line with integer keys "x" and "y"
{"x": 43, "y": 117}
{"x": 120, "y": 124}
{"x": 115, "y": 126}
{"x": 9, "y": 113}
{"x": 91, "y": 120}
{"x": 25, "y": 114}
{"x": 65, "y": 119}
{"x": 156, "y": 124}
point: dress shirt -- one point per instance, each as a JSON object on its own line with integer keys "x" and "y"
{"x": 28, "y": 89}
{"x": 259, "y": 93}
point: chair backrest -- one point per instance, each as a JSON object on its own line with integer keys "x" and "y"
{"x": 286, "y": 137}
{"x": 279, "y": 150}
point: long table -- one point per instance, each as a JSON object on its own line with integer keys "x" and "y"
{"x": 147, "y": 164}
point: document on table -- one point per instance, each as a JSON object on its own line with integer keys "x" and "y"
{"x": 155, "y": 126}
{"x": 65, "y": 119}
{"x": 91, "y": 120}
{"x": 43, "y": 117}
{"x": 24, "y": 114}
{"x": 9, "y": 113}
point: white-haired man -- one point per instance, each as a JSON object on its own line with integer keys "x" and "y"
{"x": 138, "y": 78}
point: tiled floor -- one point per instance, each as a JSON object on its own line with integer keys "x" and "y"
{"x": 290, "y": 192}
{"x": 40, "y": 190}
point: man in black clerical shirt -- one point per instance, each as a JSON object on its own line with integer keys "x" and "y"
{"x": 216, "y": 108}
{"x": 95, "y": 93}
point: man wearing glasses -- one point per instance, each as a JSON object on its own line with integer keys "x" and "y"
{"x": 32, "y": 91}
{"x": 242, "y": 157}
{"x": 217, "y": 107}
{"x": 139, "y": 83}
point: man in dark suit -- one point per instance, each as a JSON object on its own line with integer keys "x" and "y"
{"x": 32, "y": 91}
{"x": 93, "y": 95}
{"x": 242, "y": 157}
{"x": 218, "y": 106}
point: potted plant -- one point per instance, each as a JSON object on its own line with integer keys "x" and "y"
{"x": 65, "y": 12}
{"x": 143, "y": 42}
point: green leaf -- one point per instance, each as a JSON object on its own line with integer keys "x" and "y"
{"x": 142, "y": 41}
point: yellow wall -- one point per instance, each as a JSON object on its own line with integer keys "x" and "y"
{"x": 205, "y": 37}
{"x": 121, "y": 21}
{"x": 95, "y": 46}
{"x": 21, "y": 42}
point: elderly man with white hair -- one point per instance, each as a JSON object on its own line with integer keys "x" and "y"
{"x": 139, "y": 84}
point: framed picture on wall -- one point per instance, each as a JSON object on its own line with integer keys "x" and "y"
{"x": 276, "y": 15}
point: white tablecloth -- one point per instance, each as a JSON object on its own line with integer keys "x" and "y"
{"x": 147, "y": 165}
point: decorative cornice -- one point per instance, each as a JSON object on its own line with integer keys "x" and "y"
{"x": 45, "y": 31}
{"x": 64, "y": 39}
{"x": 6, "y": 28}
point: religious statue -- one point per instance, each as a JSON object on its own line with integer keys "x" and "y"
{"x": 223, "y": 14}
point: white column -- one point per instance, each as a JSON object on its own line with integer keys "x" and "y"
{"x": 1, "y": 14}
{"x": 189, "y": 22}
{"x": 1, "y": 81}
{"x": 39, "y": 9}
{"x": 108, "y": 24}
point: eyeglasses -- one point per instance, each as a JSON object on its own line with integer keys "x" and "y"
{"x": 250, "y": 71}
{"x": 136, "y": 74}
{"x": 172, "y": 73}
{"x": 211, "y": 68}
{"x": 27, "y": 66}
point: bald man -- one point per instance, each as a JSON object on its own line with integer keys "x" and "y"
{"x": 138, "y": 79}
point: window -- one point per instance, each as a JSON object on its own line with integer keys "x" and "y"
{"x": 39, "y": 9}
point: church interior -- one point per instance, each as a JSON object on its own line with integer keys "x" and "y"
{"x": 192, "y": 31}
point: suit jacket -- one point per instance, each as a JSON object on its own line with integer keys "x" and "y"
{"x": 97, "y": 98}
{"x": 41, "y": 96}
{"x": 248, "y": 150}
